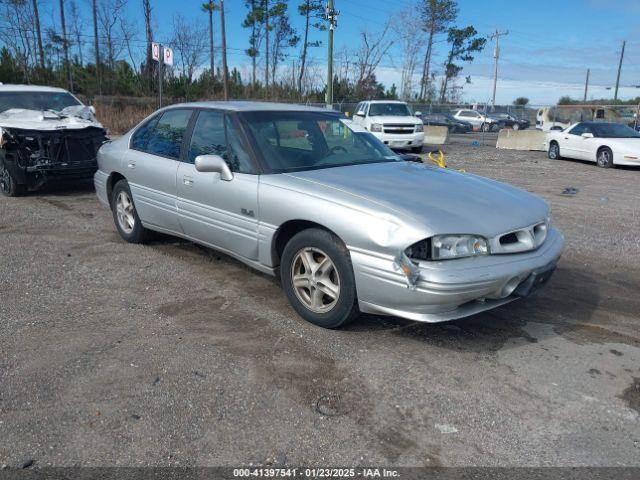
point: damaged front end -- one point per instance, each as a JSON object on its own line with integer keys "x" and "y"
{"x": 34, "y": 157}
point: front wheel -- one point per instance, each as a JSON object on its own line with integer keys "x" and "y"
{"x": 554, "y": 151}
{"x": 417, "y": 149}
{"x": 9, "y": 187}
{"x": 317, "y": 277}
{"x": 605, "y": 158}
{"x": 485, "y": 127}
{"x": 516, "y": 126}
{"x": 125, "y": 216}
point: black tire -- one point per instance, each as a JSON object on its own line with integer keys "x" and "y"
{"x": 317, "y": 243}
{"x": 9, "y": 187}
{"x": 516, "y": 126}
{"x": 554, "y": 151}
{"x": 604, "y": 157}
{"x": 485, "y": 127}
{"x": 416, "y": 149}
{"x": 137, "y": 233}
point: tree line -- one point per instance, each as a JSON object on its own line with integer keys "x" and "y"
{"x": 93, "y": 47}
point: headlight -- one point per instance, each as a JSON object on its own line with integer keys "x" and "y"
{"x": 420, "y": 128}
{"x": 457, "y": 246}
{"x": 376, "y": 127}
{"x": 445, "y": 247}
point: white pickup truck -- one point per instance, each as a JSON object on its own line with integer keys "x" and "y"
{"x": 392, "y": 122}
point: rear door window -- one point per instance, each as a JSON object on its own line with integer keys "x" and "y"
{"x": 167, "y": 135}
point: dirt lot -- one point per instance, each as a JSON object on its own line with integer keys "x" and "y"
{"x": 171, "y": 354}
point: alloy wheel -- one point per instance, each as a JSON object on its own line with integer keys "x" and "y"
{"x": 315, "y": 280}
{"x": 604, "y": 158}
{"x": 125, "y": 212}
{"x": 553, "y": 152}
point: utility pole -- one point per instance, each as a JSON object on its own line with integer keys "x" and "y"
{"x": 586, "y": 87}
{"x": 225, "y": 72}
{"x": 615, "y": 95}
{"x": 332, "y": 16}
{"x": 496, "y": 56}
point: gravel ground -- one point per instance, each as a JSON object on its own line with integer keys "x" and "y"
{"x": 171, "y": 354}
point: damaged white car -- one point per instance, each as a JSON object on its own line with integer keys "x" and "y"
{"x": 46, "y": 134}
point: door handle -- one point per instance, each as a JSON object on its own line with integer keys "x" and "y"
{"x": 131, "y": 164}
{"x": 188, "y": 181}
{"x": 566, "y": 138}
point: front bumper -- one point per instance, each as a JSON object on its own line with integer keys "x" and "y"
{"x": 401, "y": 141}
{"x": 452, "y": 289}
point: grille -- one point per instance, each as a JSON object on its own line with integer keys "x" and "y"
{"x": 401, "y": 128}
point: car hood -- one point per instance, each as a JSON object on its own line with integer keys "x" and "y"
{"x": 393, "y": 119}
{"x": 441, "y": 200}
{"x": 74, "y": 117}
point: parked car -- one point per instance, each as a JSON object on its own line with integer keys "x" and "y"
{"x": 45, "y": 134}
{"x": 479, "y": 120}
{"x": 447, "y": 120}
{"x": 510, "y": 121}
{"x": 606, "y": 144}
{"x": 313, "y": 197}
{"x": 392, "y": 122}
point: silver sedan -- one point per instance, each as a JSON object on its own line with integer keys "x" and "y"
{"x": 348, "y": 225}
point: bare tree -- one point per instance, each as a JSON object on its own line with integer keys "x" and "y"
{"x": 76, "y": 29}
{"x": 189, "y": 44}
{"x": 407, "y": 27}
{"x": 128, "y": 30}
{"x": 373, "y": 48}
{"x": 266, "y": 46}
{"x": 109, "y": 14}
{"x": 36, "y": 24}
{"x": 16, "y": 33}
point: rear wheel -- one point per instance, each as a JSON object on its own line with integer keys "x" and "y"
{"x": 604, "y": 158}
{"x": 317, "y": 276}
{"x": 125, "y": 216}
{"x": 9, "y": 187}
{"x": 485, "y": 127}
{"x": 554, "y": 151}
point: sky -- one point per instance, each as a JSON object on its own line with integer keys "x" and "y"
{"x": 545, "y": 55}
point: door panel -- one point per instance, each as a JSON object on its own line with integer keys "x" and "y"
{"x": 152, "y": 180}
{"x": 219, "y": 213}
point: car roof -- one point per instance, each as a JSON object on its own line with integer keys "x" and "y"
{"x": 30, "y": 88}
{"x": 247, "y": 106}
{"x": 386, "y": 101}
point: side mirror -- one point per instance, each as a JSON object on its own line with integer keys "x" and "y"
{"x": 360, "y": 113}
{"x": 587, "y": 135}
{"x": 92, "y": 109}
{"x": 418, "y": 114}
{"x": 214, "y": 164}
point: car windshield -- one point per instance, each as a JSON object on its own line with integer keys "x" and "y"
{"x": 389, "y": 109}
{"x": 37, "y": 100}
{"x": 614, "y": 130}
{"x": 293, "y": 141}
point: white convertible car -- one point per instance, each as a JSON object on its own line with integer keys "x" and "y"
{"x": 607, "y": 144}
